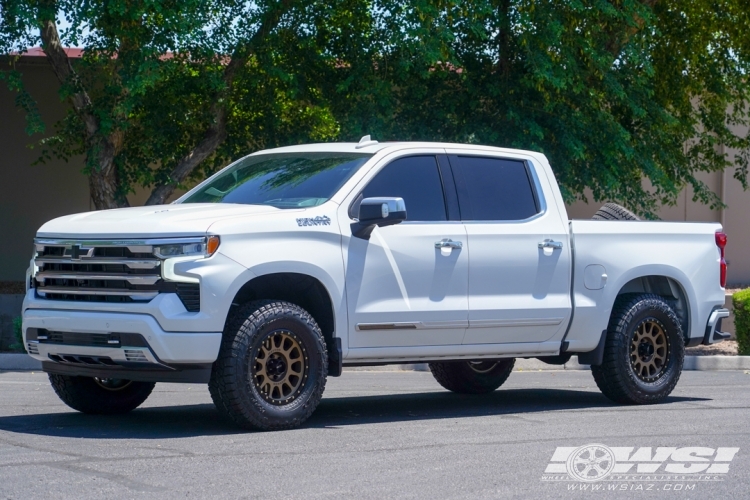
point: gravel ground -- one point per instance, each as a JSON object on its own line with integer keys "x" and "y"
{"x": 726, "y": 348}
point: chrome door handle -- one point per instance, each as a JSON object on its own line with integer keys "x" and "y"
{"x": 555, "y": 245}
{"x": 448, "y": 243}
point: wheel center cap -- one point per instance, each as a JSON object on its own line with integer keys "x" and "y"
{"x": 276, "y": 368}
{"x": 645, "y": 350}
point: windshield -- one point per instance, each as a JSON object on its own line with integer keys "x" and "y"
{"x": 283, "y": 180}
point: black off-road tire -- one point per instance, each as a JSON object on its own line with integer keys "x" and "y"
{"x": 616, "y": 376}
{"x": 100, "y": 396}
{"x": 234, "y": 386}
{"x": 471, "y": 377}
{"x": 613, "y": 211}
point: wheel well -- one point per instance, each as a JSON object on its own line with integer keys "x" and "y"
{"x": 300, "y": 289}
{"x": 666, "y": 287}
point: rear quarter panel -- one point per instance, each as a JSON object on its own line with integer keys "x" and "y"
{"x": 685, "y": 252}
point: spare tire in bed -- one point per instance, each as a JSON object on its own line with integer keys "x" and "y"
{"x": 613, "y": 211}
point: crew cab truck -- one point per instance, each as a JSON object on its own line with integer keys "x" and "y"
{"x": 292, "y": 263}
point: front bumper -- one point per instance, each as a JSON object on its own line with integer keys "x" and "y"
{"x": 713, "y": 327}
{"x": 64, "y": 341}
{"x": 120, "y": 355}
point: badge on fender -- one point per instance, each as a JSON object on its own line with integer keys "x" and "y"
{"x": 317, "y": 221}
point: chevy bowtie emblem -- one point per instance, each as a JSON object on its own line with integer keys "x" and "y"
{"x": 76, "y": 252}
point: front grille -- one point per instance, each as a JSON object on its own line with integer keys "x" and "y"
{"x": 106, "y": 271}
{"x": 135, "y": 356}
{"x": 75, "y": 338}
{"x": 81, "y": 360}
{"x": 37, "y": 336}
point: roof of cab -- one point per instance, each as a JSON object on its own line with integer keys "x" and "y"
{"x": 373, "y": 147}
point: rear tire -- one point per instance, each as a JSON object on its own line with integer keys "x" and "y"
{"x": 472, "y": 377}
{"x": 613, "y": 211}
{"x": 272, "y": 366}
{"x": 643, "y": 353}
{"x": 100, "y": 396}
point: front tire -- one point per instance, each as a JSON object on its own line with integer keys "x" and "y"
{"x": 97, "y": 396}
{"x": 472, "y": 377}
{"x": 643, "y": 352}
{"x": 272, "y": 366}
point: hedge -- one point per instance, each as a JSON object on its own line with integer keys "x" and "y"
{"x": 741, "y": 301}
{"x": 18, "y": 334}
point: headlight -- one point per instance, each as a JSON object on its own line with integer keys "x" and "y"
{"x": 205, "y": 248}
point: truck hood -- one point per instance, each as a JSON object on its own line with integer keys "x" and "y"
{"x": 189, "y": 219}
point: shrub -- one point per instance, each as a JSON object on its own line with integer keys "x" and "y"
{"x": 741, "y": 301}
{"x": 18, "y": 332}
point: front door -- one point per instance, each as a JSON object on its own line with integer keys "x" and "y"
{"x": 401, "y": 289}
{"x": 520, "y": 262}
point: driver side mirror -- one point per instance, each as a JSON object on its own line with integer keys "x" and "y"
{"x": 379, "y": 212}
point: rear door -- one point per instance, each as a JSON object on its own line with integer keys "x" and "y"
{"x": 519, "y": 264}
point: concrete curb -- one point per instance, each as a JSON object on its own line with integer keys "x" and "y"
{"x": 13, "y": 362}
{"x": 710, "y": 363}
{"x": 22, "y": 361}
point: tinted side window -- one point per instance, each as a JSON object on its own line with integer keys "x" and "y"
{"x": 416, "y": 179}
{"x": 493, "y": 189}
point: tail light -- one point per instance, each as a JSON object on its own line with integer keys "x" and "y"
{"x": 721, "y": 242}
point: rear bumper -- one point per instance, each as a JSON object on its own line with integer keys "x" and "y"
{"x": 116, "y": 345}
{"x": 713, "y": 327}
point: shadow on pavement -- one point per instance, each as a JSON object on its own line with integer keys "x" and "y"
{"x": 355, "y": 410}
{"x": 203, "y": 419}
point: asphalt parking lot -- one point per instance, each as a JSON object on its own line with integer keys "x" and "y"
{"x": 375, "y": 435}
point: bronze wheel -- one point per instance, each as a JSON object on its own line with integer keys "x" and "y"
{"x": 272, "y": 366}
{"x": 280, "y": 367}
{"x": 472, "y": 377}
{"x": 100, "y": 396}
{"x": 482, "y": 366}
{"x": 112, "y": 384}
{"x": 643, "y": 352}
{"x": 649, "y": 350}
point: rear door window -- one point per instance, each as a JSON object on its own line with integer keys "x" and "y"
{"x": 494, "y": 189}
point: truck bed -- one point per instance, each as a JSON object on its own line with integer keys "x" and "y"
{"x": 609, "y": 256}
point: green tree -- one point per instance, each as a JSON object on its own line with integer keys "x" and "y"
{"x": 611, "y": 91}
{"x": 167, "y": 90}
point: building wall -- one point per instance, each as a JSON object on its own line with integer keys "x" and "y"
{"x": 32, "y": 194}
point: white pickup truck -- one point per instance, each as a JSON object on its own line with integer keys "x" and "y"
{"x": 292, "y": 263}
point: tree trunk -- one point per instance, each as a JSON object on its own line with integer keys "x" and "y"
{"x": 504, "y": 39}
{"x": 103, "y": 181}
{"x": 217, "y": 131}
{"x": 100, "y": 151}
{"x": 616, "y": 43}
{"x": 213, "y": 138}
